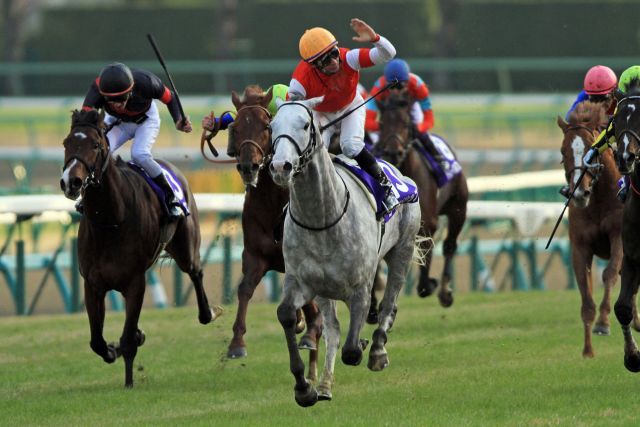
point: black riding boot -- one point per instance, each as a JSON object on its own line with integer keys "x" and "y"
{"x": 428, "y": 144}
{"x": 173, "y": 204}
{"x": 368, "y": 163}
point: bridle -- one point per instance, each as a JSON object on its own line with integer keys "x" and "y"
{"x": 628, "y": 131}
{"x": 380, "y": 149}
{"x": 304, "y": 157}
{"x": 593, "y": 171}
{"x": 266, "y": 158}
{"x": 92, "y": 179}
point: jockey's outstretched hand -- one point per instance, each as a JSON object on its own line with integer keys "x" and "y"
{"x": 365, "y": 32}
{"x": 209, "y": 122}
{"x": 184, "y": 125}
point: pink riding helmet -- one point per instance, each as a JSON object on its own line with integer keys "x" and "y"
{"x": 600, "y": 80}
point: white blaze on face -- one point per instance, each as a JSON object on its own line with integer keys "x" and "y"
{"x": 65, "y": 173}
{"x": 80, "y": 135}
{"x": 577, "y": 145}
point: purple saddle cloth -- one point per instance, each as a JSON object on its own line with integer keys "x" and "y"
{"x": 171, "y": 179}
{"x": 404, "y": 188}
{"x": 442, "y": 176}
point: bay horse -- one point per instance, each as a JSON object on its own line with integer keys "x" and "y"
{"x": 332, "y": 246}
{"x": 626, "y": 122}
{"x": 122, "y": 232}
{"x": 250, "y": 136}
{"x": 595, "y": 215}
{"x": 398, "y": 146}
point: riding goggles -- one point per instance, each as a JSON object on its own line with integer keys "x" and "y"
{"x": 324, "y": 60}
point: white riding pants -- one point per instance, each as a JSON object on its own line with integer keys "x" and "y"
{"x": 144, "y": 135}
{"x": 351, "y": 127}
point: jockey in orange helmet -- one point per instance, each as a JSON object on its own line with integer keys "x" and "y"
{"x": 333, "y": 72}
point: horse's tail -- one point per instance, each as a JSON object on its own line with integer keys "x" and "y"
{"x": 420, "y": 249}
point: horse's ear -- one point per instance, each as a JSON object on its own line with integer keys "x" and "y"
{"x": 311, "y": 103}
{"x": 562, "y": 124}
{"x": 267, "y": 97}
{"x": 236, "y": 100}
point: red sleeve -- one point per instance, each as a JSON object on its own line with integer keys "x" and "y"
{"x": 427, "y": 121}
{"x": 371, "y": 122}
{"x": 365, "y": 58}
{"x": 166, "y": 96}
{"x": 418, "y": 89}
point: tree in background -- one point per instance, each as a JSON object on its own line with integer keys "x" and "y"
{"x": 17, "y": 16}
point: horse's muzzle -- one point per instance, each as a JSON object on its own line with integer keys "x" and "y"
{"x": 281, "y": 172}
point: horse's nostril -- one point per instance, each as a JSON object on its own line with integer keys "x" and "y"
{"x": 238, "y": 167}
{"x": 75, "y": 182}
{"x": 288, "y": 167}
{"x": 255, "y": 167}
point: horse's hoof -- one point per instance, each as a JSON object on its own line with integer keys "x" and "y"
{"x": 306, "y": 343}
{"x": 601, "y": 330}
{"x": 236, "y": 352}
{"x": 308, "y": 396}
{"x": 426, "y": 289}
{"x": 113, "y": 352}
{"x": 352, "y": 356}
{"x": 632, "y": 362}
{"x": 378, "y": 361}
{"x": 140, "y": 337}
{"x": 446, "y": 299}
{"x": 372, "y": 317}
{"x": 363, "y": 344}
{"x": 324, "y": 393}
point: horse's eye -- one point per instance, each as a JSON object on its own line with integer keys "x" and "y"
{"x": 96, "y": 145}
{"x": 306, "y": 126}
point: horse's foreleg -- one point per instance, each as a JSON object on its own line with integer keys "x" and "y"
{"x": 206, "y": 314}
{"x": 132, "y": 337}
{"x": 426, "y": 285}
{"x": 630, "y": 278}
{"x": 305, "y": 393}
{"x": 581, "y": 262}
{"x": 94, "y": 304}
{"x": 309, "y": 341}
{"x": 332, "y": 342}
{"x": 253, "y": 270}
{"x": 358, "y": 310}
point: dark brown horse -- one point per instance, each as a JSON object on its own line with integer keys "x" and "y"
{"x": 122, "y": 232}
{"x": 398, "y": 146}
{"x": 262, "y": 217}
{"x": 627, "y": 126}
{"x": 595, "y": 215}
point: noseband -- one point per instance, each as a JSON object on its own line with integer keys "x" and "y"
{"x": 266, "y": 158}
{"x": 589, "y": 170}
{"x": 92, "y": 179}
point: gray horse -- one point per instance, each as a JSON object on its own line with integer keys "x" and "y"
{"x": 332, "y": 245}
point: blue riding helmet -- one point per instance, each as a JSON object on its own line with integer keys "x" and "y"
{"x": 397, "y": 69}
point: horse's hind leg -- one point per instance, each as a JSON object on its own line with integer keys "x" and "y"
{"x": 630, "y": 278}
{"x": 332, "y": 341}
{"x": 305, "y": 393}
{"x": 378, "y": 284}
{"x": 132, "y": 337}
{"x": 609, "y": 277}
{"x": 94, "y": 304}
{"x": 398, "y": 261}
{"x": 457, "y": 214}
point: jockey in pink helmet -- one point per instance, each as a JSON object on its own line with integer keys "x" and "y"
{"x": 600, "y": 83}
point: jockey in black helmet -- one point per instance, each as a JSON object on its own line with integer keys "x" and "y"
{"x": 127, "y": 97}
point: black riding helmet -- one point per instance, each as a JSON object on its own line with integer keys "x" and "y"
{"x": 116, "y": 80}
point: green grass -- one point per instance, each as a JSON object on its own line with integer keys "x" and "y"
{"x": 491, "y": 359}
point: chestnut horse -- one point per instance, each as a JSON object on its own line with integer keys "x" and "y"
{"x": 262, "y": 217}
{"x": 627, "y": 126}
{"x": 122, "y": 232}
{"x": 397, "y": 146}
{"x": 595, "y": 215}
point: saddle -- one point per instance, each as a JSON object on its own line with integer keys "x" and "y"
{"x": 173, "y": 181}
{"x": 442, "y": 176}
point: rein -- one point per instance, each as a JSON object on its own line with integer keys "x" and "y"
{"x": 328, "y": 226}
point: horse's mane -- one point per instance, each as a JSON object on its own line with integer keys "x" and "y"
{"x": 396, "y": 99}
{"x": 86, "y": 117}
{"x": 590, "y": 114}
{"x": 253, "y": 94}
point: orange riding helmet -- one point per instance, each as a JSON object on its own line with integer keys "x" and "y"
{"x": 315, "y": 42}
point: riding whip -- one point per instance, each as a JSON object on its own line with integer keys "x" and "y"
{"x": 584, "y": 171}
{"x": 386, "y": 87}
{"x": 154, "y": 45}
